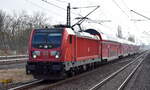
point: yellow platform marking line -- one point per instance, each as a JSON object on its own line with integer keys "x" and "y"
{"x": 6, "y": 81}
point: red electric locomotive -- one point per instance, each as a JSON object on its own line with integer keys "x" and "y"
{"x": 57, "y": 52}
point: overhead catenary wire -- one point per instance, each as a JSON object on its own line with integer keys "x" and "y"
{"x": 84, "y": 7}
{"x": 36, "y": 5}
{"x": 125, "y": 4}
{"x": 120, "y": 8}
{"x": 60, "y": 15}
{"x": 71, "y": 8}
{"x": 53, "y": 4}
{"x": 81, "y": 21}
{"x": 129, "y": 10}
{"x": 140, "y": 14}
{"x": 58, "y": 6}
{"x": 62, "y": 1}
{"x": 134, "y": 12}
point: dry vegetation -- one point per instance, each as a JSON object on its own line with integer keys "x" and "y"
{"x": 17, "y": 75}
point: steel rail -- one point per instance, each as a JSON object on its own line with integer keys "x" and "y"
{"x": 113, "y": 74}
{"x": 130, "y": 76}
{"x": 23, "y": 87}
{"x": 67, "y": 80}
{"x": 30, "y": 84}
{"x": 11, "y": 56}
{"x": 17, "y": 59}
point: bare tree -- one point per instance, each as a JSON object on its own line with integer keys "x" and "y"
{"x": 2, "y": 32}
{"x": 38, "y": 20}
{"x": 15, "y": 29}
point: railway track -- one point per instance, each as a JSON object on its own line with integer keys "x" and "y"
{"x": 26, "y": 85}
{"x": 107, "y": 81}
{"x": 13, "y": 56}
{"x": 13, "y": 63}
{"x": 68, "y": 81}
{"x": 13, "y": 60}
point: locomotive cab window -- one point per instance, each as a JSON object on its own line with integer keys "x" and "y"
{"x": 46, "y": 40}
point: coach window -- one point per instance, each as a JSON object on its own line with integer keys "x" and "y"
{"x": 70, "y": 39}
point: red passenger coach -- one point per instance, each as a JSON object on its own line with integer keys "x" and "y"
{"x": 55, "y": 53}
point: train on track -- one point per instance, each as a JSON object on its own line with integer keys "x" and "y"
{"x": 57, "y": 52}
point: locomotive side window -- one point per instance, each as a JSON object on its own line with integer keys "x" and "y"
{"x": 70, "y": 39}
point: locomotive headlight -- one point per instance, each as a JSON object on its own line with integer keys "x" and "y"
{"x": 35, "y": 54}
{"x": 57, "y": 55}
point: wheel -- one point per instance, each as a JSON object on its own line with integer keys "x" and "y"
{"x": 70, "y": 73}
{"x": 104, "y": 61}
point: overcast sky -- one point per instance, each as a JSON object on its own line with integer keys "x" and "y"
{"x": 118, "y": 11}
